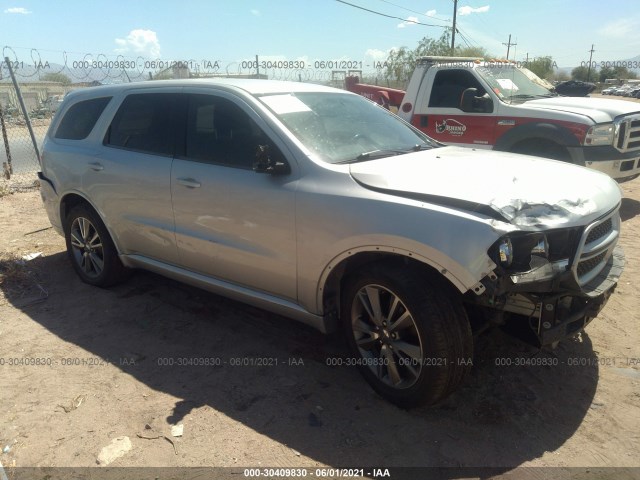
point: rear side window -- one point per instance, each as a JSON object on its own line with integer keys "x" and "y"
{"x": 146, "y": 122}
{"x": 81, "y": 118}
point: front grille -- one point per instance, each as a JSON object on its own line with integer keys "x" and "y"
{"x": 599, "y": 231}
{"x": 628, "y": 134}
{"x": 586, "y": 266}
{"x": 595, "y": 247}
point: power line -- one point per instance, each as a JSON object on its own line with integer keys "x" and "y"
{"x": 390, "y": 16}
{"x": 414, "y": 11}
{"x": 465, "y": 39}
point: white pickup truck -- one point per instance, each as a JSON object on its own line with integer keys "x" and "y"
{"x": 500, "y": 105}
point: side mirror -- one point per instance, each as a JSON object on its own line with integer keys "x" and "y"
{"x": 467, "y": 100}
{"x": 472, "y": 103}
{"x": 266, "y": 163}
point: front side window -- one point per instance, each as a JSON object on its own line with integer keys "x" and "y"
{"x": 341, "y": 127}
{"x": 146, "y": 122}
{"x": 220, "y": 132}
{"x": 80, "y": 119}
{"x": 449, "y": 85}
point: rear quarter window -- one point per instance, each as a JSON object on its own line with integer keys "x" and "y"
{"x": 80, "y": 119}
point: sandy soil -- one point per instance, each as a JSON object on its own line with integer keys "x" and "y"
{"x": 81, "y": 366}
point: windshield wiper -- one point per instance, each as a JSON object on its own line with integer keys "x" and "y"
{"x": 373, "y": 154}
{"x": 421, "y": 146}
{"x": 527, "y": 96}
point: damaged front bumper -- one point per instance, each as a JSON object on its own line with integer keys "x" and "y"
{"x": 555, "y": 315}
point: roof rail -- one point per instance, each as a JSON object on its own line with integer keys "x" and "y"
{"x": 434, "y": 59}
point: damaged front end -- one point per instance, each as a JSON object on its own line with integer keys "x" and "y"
{"x": 553, "y": 281}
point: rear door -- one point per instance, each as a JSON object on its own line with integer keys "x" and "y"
{"x": 129, "y": 178}
{"x": 231, "y": 222}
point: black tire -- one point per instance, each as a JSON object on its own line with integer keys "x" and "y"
{"x": 90, "y": 248}
{"x": 542, "y": 148}
{"x": 438, "y": 326}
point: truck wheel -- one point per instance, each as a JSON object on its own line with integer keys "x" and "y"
{"x": 90, "y": 248}
{"x": 542, "y": 148}
{"x": 410, "y": 338}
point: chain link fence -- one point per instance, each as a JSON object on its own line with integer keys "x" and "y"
{"x": 25, "y": 115}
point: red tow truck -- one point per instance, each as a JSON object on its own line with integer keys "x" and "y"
{"x": 503, "y": 106}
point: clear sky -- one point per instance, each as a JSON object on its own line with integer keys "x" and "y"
{"x": 235, "y": 30}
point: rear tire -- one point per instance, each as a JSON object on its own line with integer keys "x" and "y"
{"x": 89, "y": 246}
{"x": 409, "y": 335}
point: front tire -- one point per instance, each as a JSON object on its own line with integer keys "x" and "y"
{"x": 542, "y": 148}
{"x": 89, "y": 246}
{"x": 409, "y": 335}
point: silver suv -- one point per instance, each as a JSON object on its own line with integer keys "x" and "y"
{"x": 318, "y": 205}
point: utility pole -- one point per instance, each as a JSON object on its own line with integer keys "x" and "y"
{"x": 453, "y": 32}
{"x": 590, "y": 57}
{"x": 508, "y": 45}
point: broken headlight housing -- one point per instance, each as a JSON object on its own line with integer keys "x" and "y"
{"x": 526, "y": 257}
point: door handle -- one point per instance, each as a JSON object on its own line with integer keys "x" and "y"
{"x": 97, "y": 166}
{"x": 189, "y": 182}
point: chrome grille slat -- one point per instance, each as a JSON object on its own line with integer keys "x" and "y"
{"x": 628, "y": 134}
{"x": 599, "y": 231}
{"x": 585, "y": 266}
{"x": 595, "y": 247}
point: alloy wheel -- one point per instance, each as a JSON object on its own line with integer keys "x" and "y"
{"x": 87, "y": 247}
{"x": 386, "y": 336}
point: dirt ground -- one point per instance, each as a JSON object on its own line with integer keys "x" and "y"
{"x": 81, "y": 366}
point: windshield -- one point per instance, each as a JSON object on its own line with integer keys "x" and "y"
{"x": 345, "y": 128}
{"x": 514, "y": 85}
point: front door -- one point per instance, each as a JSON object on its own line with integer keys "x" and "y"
{"x": 231, "y": 222}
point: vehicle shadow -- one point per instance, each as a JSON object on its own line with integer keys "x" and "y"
{"x": 517, "y": 404}
{"x": 629, "y": 209}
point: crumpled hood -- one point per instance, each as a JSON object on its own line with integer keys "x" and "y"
{"x": 600, "y": 110}
{"x": 529, "y": 192}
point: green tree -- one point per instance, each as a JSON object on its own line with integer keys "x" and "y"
{"x": 400, "y": 64}
{"x": 621, "y": 73}
{"x": 580, "y": 73}
{"x": 476, "y": 52}
{"x": 605, "y": 73}
{"x": 439, "y": 47}
{"x": 57, "y": 77}
{"x": 542, "y": 66}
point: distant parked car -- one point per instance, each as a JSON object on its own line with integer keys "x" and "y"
{"x": 608, "y": 91}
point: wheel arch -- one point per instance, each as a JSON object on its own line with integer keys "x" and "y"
{"x": 70, "y": 200}
{"x": 342, "y": 266}
{"x": 540, "y": 132}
